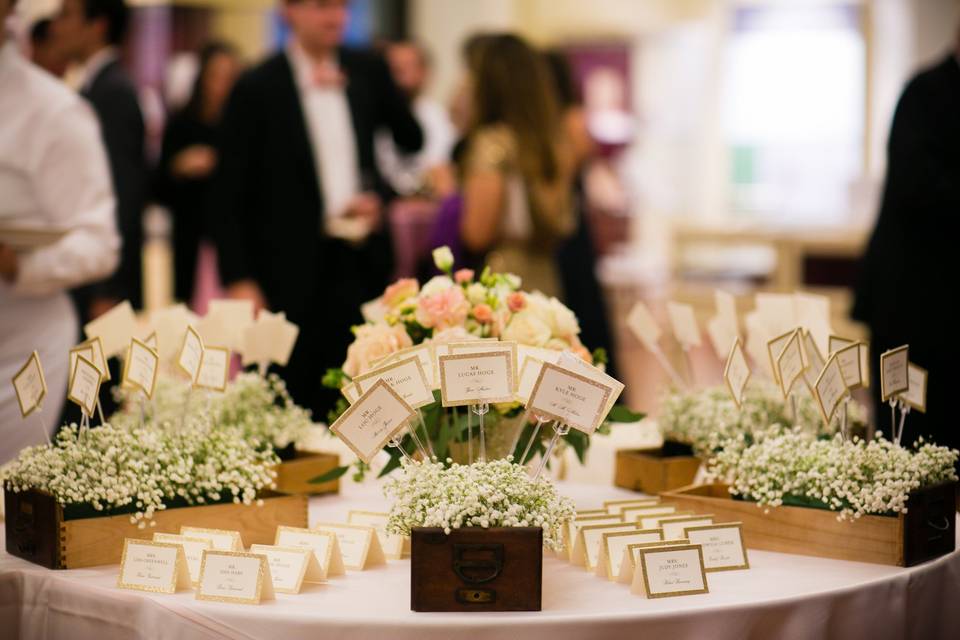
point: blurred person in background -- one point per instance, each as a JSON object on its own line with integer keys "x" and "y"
{"x": 53, "y": 175}
{"x": 298, "y": 199}
{"x": 43, "y": 49}
{"x": 90, "y": 32}
{"x": 189, "y": 158}
{"x": 518, "y": 166}
{"x": 427, "y": 171}
{"x": 904, "y": 276}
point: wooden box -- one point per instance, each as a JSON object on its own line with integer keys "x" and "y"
{"x": 36, "y": 529}
{"x": 656, "y": 470}
{"x": 476, "y": 569}
{"x": 926, "y": 531}
{"x": 293, "y": 474}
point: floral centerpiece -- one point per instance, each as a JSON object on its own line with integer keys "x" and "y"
{"x": 460, "y": 306}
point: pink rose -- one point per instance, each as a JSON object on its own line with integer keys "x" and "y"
{"x": 483, "y": 314}
{"x": 516, "y": 301}
{"x": 442, "y": 310}
{"x": 463, "y": 276}
{"x": 399, "y": 291}
{"x": 373, "y": 342}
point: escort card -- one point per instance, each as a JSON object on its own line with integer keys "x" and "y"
{"x": 369, "y": 423}
{"x": 358, "y": 544}
{"x": 736, "y": 373}
{"x": 644, "y": 326}
{"x": 226, "y": 321}
{"x": 812, "y": 358}
{"x": 270, "y": 339}
{"x": 191, "y": 353}
{"x": 140, "y": 367}
{"x": 573, "y": 530}
{"x": 157, "y": 567}
{"x": 849, "y": 360}
{"x": 170, "y": 323}
{"x": 653, "y": 521}
{"x": 543, "y": 355}
{"x": 723, "y": 548}
{"x": 193, "y": 549}
{"x": 720, "y": 336}
{"x": 613, "y": 544}
{"x": 115, "y": 328}
{"x": 486, "y": 346}
{"x": 835, "y": 343}
{"x": 392, "y": 545}
{"x": 671, "y": 571}
{"x": 220, "y": 539}
{"x": 80, "y": 350}
{"x": 916, "y": 395}
{"x": 684, "y": 324}
{"x": 423, "y": 353}
{"x": 529, "y": 374}
{"x": 586, "y": 548}
{"x": 350, "y": 392}
{"x": 214, "y": 368}
{"x": 476, "y": 378}
{"x": 290, "y": 567}
{"x": 634, "y": 513}
{"x": 584, "y": 368}
{"x": 571, "y": 398}
{"x": 323, "y": 544}
{"x": 894, "y": 372}
{"x": 830, "y": 389}
{"x": 616, "y": 507}
{"x": 234, "y": 576}
{"x": 673, "y": 527}
{"x": 405, "y": 376}
{"x": 30, "y": 385}
{"x": 790, "y": 364}
{"x": 774, "y": 349}
{"x": 84, "y": 387}
{"x": 628, "y": 562}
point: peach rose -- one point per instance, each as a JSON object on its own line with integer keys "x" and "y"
{"x": 516, "y": 301}
{"x": 401, "y": 290}
{"x": 442, "y": 310}
{"x": 374, "y": 341}
{"x": 463, "y": 275}
{"x": 483, "y": 314}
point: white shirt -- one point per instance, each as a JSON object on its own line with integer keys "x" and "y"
{"x": 330, "y": 127}
{"x": 81, "y": 76}
{"x": 406, "y": 172}
{"x": 53, "y": 173}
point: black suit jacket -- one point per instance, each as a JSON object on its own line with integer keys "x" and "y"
{"x": 266, "y": 199}
{"x": 114, "y": 99}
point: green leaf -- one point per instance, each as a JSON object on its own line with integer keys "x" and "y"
{"x": 393, "y": 463}
{"x": 600, "y": 356}
{"x": 620, "y": 413}
{"x": 333, "y": 474}
{"x": 334, "y": 378}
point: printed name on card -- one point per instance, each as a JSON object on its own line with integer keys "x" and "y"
{"x": 894, "y": 372}
{"x": 290, "y": 567}
{"x": 405, "y": 376}
{"x": 614, "y": 543}
{"x": 323, "y": 544}
{"x": 193, "y": 549}
{"x": 578, "y": 364}
{"x": 586, "y": 548}
{"x": 234, "y": 576}
{"x": 140, "y": 367}
{"x": 476, "y": 378}
{"x": 391, "y": 544}
{"x": 370, "y": 422}
{"x": 358, "y": 544}
{"x": 421, "y": 352}
{"x": 220, "y": 539}
{"x": 569, "y": 397}
{"x": 629, "y": 560}
{"x": 214, "y": 368}
{"x": 670, "y": 571}
{"x": 723, "y": 548}
{"x": 157, "y": 567}
{"x": 488, "y": 345}
{"x": 736, "y": 372}
{"x": 30, "y": 385}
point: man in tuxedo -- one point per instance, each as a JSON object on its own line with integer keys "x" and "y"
{"x": 89, "y": 32}
{"x": 298, "y": 201}
{"x": 905, "y": 278}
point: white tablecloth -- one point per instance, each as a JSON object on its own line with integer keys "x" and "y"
{"x": 781, "y": 596}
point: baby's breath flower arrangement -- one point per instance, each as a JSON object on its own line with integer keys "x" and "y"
{"x": 114, "y": 469}
{"x": 498, "y": 493}
{"x": 854, "y": 478}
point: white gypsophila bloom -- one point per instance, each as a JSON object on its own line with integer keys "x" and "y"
{"x": 485, "y": 494}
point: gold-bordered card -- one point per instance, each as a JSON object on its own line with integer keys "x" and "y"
{"x": 848, "y": 358}
{"x": 894, "y": 372}
{"x": 405, "y": 376}
{"x": 99, "y": 358}
{"x": 830, "y": 389}
{"x": 569, "y": 397}
{"x": 234, "y": 576}
{"x": 214, "y": 369}
{"x": 193, "y": 549}
{"x": 290, "y": 567}
{"x": 391, "y": 544}
{"x": 358, "y": 544}
{"x": 30, "y": 385}
{"x": 155, "y": 567}
{"x": 491, "y": 378}
{"x": 84, "y": 387}
{"x": 916, "y": 395}
{"x": 140, "y": 367}
{"x": 655, "y": 578}
{"x": 191, "y": 354}
{"x": 369, "y": 423}
{"x": 323, "y": 545}
{"x": 629, "y": 561}
{"x": 220, "y": 539}
{"x": 774, "y": 348}
{"x": 723, "y": 546}
{"x": 615, "y": 542}
{"x": 736, "y": 372}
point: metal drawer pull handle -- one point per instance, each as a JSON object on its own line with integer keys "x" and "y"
{"x": 944, "y": 527}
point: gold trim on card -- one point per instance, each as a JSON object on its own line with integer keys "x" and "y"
{"x": 737, "y": 346}
{"x": 646, "y": 582}
{"x": 859, "y": 383}
{"x": 305, "y": 552}
{"x": 43, "y": 384}
{"x": 446, "y": 402}
{"x": 258, "y": 590}
{"x": 226, "y": 368}
{"x": 105, "y": 372}
{"x": 394, "y": 364}
{"x": 723, "y": 525}
{"x": 597, "y": 418}
{"x": 356, "y": 405}
{"x": 183, "y": 345}
{"x": 828, "y": 418}
{"x": 96, "y": 394}
{"x": 889, "y": 354}
{"x": 126, "y": 368}
{"x": 330, "y": 527}
{"x": 150, "y": 543}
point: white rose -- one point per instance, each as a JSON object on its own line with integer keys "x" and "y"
{"x": 443, "y": 258}
{"x": 476, "y": 293}
{"x": 436, "y": 284}
{"x": 527, "y": 328}
{"x": 563, "y": 321}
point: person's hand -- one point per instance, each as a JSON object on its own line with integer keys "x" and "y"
{"x": 248, "y": 290}
{"x": 366, "y": 206}
{"x": 9, "y": 264}
{"x": 196, "y": 161}
{"x": 99, "y": 306}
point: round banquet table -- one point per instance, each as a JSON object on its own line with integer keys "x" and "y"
{"x": 780, "y": 596}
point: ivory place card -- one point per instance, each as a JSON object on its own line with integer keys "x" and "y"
{"x": 835, "y": 343}
{"x": 170, "y": 323}
{"x": 644, "y": 326}
{"x": 226, "y": 321}
{"x": 476, "y": 378}
{"x": 99, "y": 359}
{"x": 569, "y": 397}
{"x": 486, "y": 346}
{"x": 790, "y": 364}
{"x": 916, "y": 395}
{"x": 140, "y": 367}
{"x": 894, "y": 372}
{"x": 84, "y": 387}
{"x": 369, "y": 423}
{"x": 684, "y": 324}
{"x": 323, "y": 544}
{"x": 670, "y": 571}
{"x": 392, "y": 545}
{"x": 151, "y": 341}
{"x": 617, "y": 506}
{"x": 584, "y": 368}
{"x": 614, "y": 543}
{"x": 720, "y": 336}
{"x": 628, "y": 562}
{"x": 634, "y": 513}
{"x": 290, "y": 567}
{"x": 525, "y": 351}
{"x": 812, "y": 358}
{"x": 422, "y": 353}
{"x": 580, "y": 513}
{"x": 234, "y": 576}
{"x": 849, "y": 360}
{"x": 736, "y": 373}
{"x": 527, "y": 379}
{"x": 586, "y": 548}
{"x": 158, "y": 567}
{"x": 405, "y": 376}
{"x": 270, "y": 339}
{"x": 573, "y": 529}
{"x": 830, "y": 389}
{"x": 358, "y": 544}
{"x": 115, "y": 328}
{"x": 774, "y": 349}
{"x": 214, "y": 368}
{"x": 30, "y": 385}
{"x": 220, "y": 539}
{"x": 193, "y": 549}
{"x": 191, "y": 353}
{"x": 350, "y": 392}
{"x": 80, "y": 350}
{"x": 723, "y": 548}
{"x": 673, "y": 527}
{"x": 653, "y": 521}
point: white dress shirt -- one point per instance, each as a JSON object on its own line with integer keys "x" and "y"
{"x": 330, "y": 127}
{"x": 53, "y": 173}
{"x": 407, "y": 172}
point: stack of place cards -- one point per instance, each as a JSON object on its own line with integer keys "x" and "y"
{"x": 586, "y": 546}
{"x": 323, "y": 544}
{"x": 220, "y": 539}
{"x": 193, "y": 549}
{"x": 614, "y": 544}
{"x": 616, "y": 507}
{"x": 158, "y": 567}
{"x": 290, "y": 567}
{"x": 392, "y": 545}
{"x": 653, "y": 521}
{"x": 663, "y": 572}
{"x": 633, "y": 513}
{"x": 723, "y": 548}
{"x": 358, "y": 544}
{"x": 234, "y": 576}
{"x": 573, "y": 528}
{"x": 673, "y": 527}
